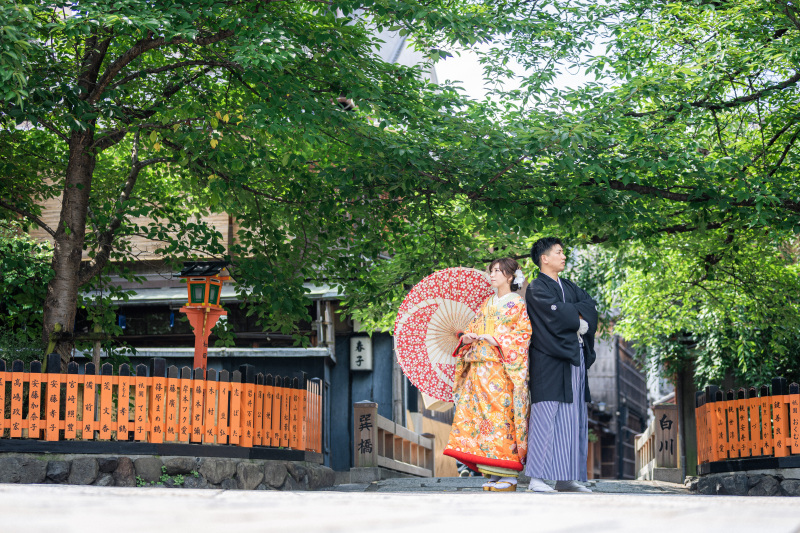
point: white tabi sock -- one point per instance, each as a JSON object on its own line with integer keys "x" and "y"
{"x": 492, "y": 481}
{"x": 538, "y": 485}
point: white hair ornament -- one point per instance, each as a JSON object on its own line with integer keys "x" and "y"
{"x": 519, "y": 277}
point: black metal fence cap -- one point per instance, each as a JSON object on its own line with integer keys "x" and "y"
{"x": 202, "y": 268}
{"x": 779, "y": 386}
{"x": 53, "y": 363}
{"x": 248, "y": 373}
{"x": 158, "y": 367}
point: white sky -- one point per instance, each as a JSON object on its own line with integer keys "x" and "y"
{"x": 466, "y": 70}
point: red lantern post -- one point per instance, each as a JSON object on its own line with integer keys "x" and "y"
{"x": 204, "y": 286}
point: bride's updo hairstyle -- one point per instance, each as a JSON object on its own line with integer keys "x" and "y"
{"x": 509, "y": 267}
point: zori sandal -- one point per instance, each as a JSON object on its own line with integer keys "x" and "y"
{"x": 489, "y": 485}
{"x": 504, "y": 486}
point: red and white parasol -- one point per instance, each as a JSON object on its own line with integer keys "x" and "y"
{"x": 427, "y": 323}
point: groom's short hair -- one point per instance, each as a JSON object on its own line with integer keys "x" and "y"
{"x": 541, "y": 247}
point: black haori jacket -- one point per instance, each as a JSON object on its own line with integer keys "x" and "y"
{"x": 554, "y": 340}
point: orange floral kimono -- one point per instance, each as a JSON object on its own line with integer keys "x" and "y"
{"x": 491, "y": 397}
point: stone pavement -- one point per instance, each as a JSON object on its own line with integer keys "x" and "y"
{"x": 473, "y": 484}
{"x": 651, "y": 508}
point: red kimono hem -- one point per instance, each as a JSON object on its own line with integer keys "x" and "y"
{"x": 473, "y": 460}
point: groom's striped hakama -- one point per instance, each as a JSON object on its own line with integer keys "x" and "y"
{"x": 558, "y": 443}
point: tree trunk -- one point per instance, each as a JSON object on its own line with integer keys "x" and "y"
{"x": 62, "y": 292}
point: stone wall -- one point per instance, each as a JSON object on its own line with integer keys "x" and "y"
{"x": 177, "y": 472}
{"x": 774, "y": 482}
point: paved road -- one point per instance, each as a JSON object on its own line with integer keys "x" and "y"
{"x": 67, "y": 509}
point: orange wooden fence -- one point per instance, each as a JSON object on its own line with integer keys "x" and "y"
{"x": 224, "y": 408}
{"x": 748, "y": 422}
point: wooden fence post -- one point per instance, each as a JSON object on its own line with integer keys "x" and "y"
{"x": 742, "y": 426}
{"x": 172, "y": 396}
{"x": 90, "y": 402}
{"x": 211, "y": 393}
{"x": 258, "y": 411}
{"x": 158, "y": 378}
{"x": 780, "y": 416}
{"x": 248, "y": 404}
{"x": 3, "y": 380}
{"x": 277, "y": 401}
{"x": 755, "y": 426}
{"x": 365, "y": 433}
{"x": 269, "y": 392}
{"x": 303, "y": 392}
{"x": 286, "y": 417}
{"x": 140, "y": 415}
{"x": 701, "y": 427}
{"x": 106, "y": 405}
{"x": 17, "y": 379}
{"x": 124, "y": 402}
{"x": 236, "y": 407}
{"x": 794, "y": 417}
{"x": 765, "y": 406}
{"x": 294, "y": 429}
{"x": 224, "y": 427}
{"x": 198, "y": 405}
{"x": 35, "y": 403}
{"x": 711, "y": 414}
{"x": 71, "y": 401}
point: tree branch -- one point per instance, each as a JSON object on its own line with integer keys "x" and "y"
{"x": 703, "y": 104}
{"x": 648, "y": 191}
{"x": 677, "y": 228}
{"x": 785, "y": 152}
{"x": 108, "y": 140}
{"x": 30, "y": 216}
{"x": 773, "y": 140}
{"x": 145, "y": 45}
{"x": 106, "y": 238}
{"x": 500, "y": 173}
{"x": 175, "y": 66}
{"x": 50, "y": 126}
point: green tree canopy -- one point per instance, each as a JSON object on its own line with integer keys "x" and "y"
{"x": 678, "y": 157}
{"x": 170, "y": 110}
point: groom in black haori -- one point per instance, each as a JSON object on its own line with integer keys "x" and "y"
{"x": 564, "y": 321}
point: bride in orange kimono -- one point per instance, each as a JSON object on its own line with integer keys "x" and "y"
{"x": 490, "y": 426}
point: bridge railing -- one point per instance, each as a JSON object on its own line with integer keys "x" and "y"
{"x": 239, "y": 408}
{"x": 379, "y": 442}
{"x": 657, "y": 449}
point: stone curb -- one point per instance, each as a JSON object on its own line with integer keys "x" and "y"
{"x": 173, "y": 472}
{"x": 763, "y": 483}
